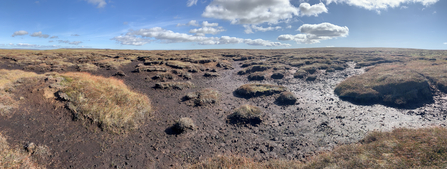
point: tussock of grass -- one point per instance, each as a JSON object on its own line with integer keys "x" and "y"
{"x": 389, "y": 84}
{"x": 105, "y": 101}
{"x": 15, "y": 157}
{"x": 400, "y": 148}
{"x": 256, "y": 89}
{"x": 246, "y": 114}
{"x": 174, "y": 85}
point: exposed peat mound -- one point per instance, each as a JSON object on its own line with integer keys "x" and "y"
{"x": 246, "y": 114}
{"x": 256, "y": 89}
{"x": 286, "y": 98}
{"x": 204, "y": 97}
{"x": 392, "y": 85}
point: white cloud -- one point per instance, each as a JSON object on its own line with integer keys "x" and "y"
{"x": 314, "y": 10}
{"x": 71, "y": 43}
{"x": 403, "y": 7}
{"x": 434, "y": 12}
{"x": 207, "y": 24}
{"x": 262, "y": 29}
{"x": 289, "y": 27}
{"x": 206, "y": 30}
{"x": 249, "y": 28}
{"x": 54, "y": 37}
{"x": 19, "y": 33}
{"x": 314, "y": 33}
{"x": 26, "y": 45}
{"x": 40, "y": 35}
{"x": 190, "y": 23}
{"x": 191, "y": 3}
{"x": 381, "y": 4}
{"x": 75, "y": 43}
{"x": 251, "y": 11}
{"x": 100, "y": 3}
{"x": 75, "y": 35}
{"x": 143, "y": 36}
{"x": 131, "y": 40}
{"x": 445, "y": 43}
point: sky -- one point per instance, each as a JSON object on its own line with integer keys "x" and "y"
{"x": 222, "y": 24}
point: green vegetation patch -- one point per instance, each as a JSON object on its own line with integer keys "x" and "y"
{"x": 257, "y": 89}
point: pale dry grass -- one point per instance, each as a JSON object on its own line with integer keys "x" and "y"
{"x": 7, "y": 78}
{"x": 107, "y": 102}
{"x": 15, "y": 157}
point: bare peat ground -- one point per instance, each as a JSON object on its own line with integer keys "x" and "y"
{"x": 317, "y": 122}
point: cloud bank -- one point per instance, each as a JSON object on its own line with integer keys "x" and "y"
{"x": 19, "y": 33}
{"x": 144, "y": 36}
{"x": 251, "y": 11}
{"x": 314, "y": 33}
{"x": 40, "y": 35}
{"x": 381, "y": 4}
{"x": 312, "y": 10}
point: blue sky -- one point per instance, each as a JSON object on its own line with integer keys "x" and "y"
{"x": 228, "y": 24}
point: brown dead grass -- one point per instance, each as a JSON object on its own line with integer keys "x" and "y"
{"x": 107, "y": 102}
{"x": 15, "y": 157}
{"x": 400, "y": 148}
{"x": 256, "y": 89}
{"x": 390, "y": 84}
{"x": 7, "y": 78}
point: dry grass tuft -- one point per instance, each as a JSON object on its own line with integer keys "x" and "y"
{"x": 256, "y": 89}
{"x": 15, "y": 157}
{"x": 105, "y": 101}
{"x": 246, "y": 114}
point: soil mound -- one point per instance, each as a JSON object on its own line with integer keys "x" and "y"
{"x": 390, "y": 85}
{"x": 256, "y": 89}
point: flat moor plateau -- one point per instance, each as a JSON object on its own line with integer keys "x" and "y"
{"x": 122, "y": 108}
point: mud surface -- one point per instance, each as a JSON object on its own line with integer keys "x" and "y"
{"x": 318, "y": 121}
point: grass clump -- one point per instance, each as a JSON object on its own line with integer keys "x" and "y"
{"x": 107, "y": 102}
{"x": 15, "y": 157}
{"x": 173, "y": 85}
{"x": 389, "y": 84}
{"x": 256, "y": 89}
{"x": 204, "y": 97}
{"x": 246, "y": 114}
{"x": 256, "y": 76}
{"x": 255, "y": 68}
{"x": 184, "y": 124}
